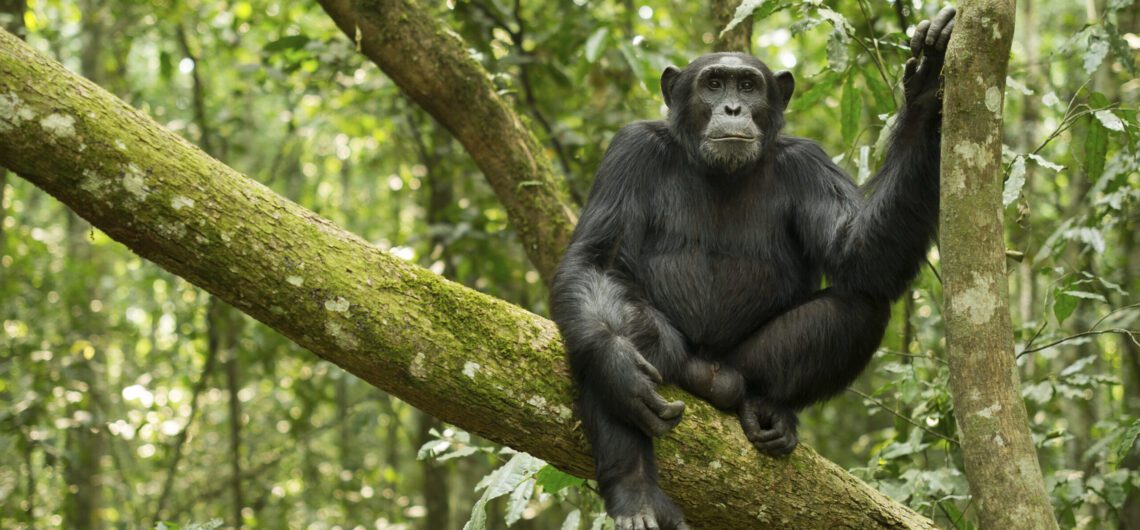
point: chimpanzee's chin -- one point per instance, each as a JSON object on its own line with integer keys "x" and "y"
{"x": 729, "y": 156}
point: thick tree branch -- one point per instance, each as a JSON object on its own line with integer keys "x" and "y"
{"x": 431, "y": 64}
{"x": 464, "y": 357}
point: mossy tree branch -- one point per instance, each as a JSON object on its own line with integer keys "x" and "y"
{"x": 431, "y": 64}
{"x": 464, "y": 357}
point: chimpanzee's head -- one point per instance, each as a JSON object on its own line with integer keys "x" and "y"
{"x": 726, "y": 108}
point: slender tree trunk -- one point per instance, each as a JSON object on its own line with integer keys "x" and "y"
{"x": 440, "y": 196}
{"x": 233, "y": 384}
{"x": 1129, "y": 517}
{"x": 1001, "y": 463}
{"x": 1029, "y": 118}
{"x": 85, "y": 443}
{"x": 12, "y": 20}
{"x": 177, "y": 447}
{"x": 739, "y": 38}
{"x": 222, "y": 321}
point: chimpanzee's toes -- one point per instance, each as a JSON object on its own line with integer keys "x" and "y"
{"x": 771, "y": 429}
{"x": 779, "y": 442}
{"x": 650, "y": 511}
{"x": 638, "y": 521}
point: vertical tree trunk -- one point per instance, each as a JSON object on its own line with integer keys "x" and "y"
{"x": 1031, "y": 114}
{"x": 1129, "y": 516}
{"x": 11, "y": 19}
{"x": 440, "y": 195}
{"x": 85, "y": 443}
{"x": 1001, "y": 463}
{"x": 739, "y": 39}
{"x": 223, "y": 322}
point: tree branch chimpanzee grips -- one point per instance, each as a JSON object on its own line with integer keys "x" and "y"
{"x": 698, "y": 259}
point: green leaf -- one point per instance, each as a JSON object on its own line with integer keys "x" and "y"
{"x": 1111, "y": 121}
{"x": 804, "y": 24}
{"x": 1014, "y": 183}
{"x": 292, "y": 42}
{"x": 1063, "y": 305}
{"x": 1096, "y": 148}
{"x": 165, "y": 65}
{"x": 851, "y": 107}
{"x": 1045, "y": 163}
{"x": 432, "y": 449}
{"x": 554, "y": 480}
{"x": 838, "y": 21}
{"x": 1085, "y": 295}
{"x": 1097, "y": 50}
{"x": 459, "y": 453}
{"x": 630, "y": 54}
{"x": 824, "y": 84}
{"x": 837, "y": 53}
{"x": 573, "y": 520}
{"x": 1125, "y": 440}
{"x": 1120, "y": 48}
{"x": 594, "y": 44}
{"x": 742, "y": 12}
{"x": 502, "y": 481}
{"x": 518, "y": 500}
{"x": 1078, "y": 365}
{"x": 880, "y": 92}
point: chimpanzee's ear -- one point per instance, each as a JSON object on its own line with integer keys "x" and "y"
{"x": 787, "y": 84}
{"x": 668, "y": 77}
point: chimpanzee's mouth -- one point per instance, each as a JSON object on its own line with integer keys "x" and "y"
{"x": 732, "y": 138}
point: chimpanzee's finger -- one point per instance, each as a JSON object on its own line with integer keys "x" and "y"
{"x": 937, "y": 23}
{"x": 910, "y": 69}
{"x": 646, "y": 368}
{"x": 944, "y": 38}
{"x": 919, "y": 37}
{"x": 665, "y": 410}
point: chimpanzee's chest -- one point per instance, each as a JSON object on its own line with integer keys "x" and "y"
{"x": 719, "y": 263}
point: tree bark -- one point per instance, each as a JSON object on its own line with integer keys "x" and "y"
{"x": 432, "y": 65}
{"x": 464, "y": 357}
{"x": 739, "y": 38}
{"x": 1001, "y": 463}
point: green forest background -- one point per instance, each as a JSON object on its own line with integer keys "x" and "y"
{"x": 133, "y": 400}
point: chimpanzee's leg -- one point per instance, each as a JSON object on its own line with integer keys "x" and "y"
{"x": 625, "y": 469}
{"x": 807, "y": 354}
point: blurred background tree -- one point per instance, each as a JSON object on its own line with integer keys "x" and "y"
{"x": 133, "y": 398}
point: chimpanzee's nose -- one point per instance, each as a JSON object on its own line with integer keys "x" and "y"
{"x": 732, "y": 110}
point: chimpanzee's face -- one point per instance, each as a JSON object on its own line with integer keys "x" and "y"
{"x": 731, "y": 105}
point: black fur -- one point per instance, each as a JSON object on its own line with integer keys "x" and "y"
{"x": 682, "y": 271}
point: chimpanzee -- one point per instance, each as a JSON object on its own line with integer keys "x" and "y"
{"x": 699, "y": 257}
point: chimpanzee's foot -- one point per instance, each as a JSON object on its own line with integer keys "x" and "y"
{"x": 718, "y": 384}
{"x": 644, "y": 507}
{"x": 770, "y": 428}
